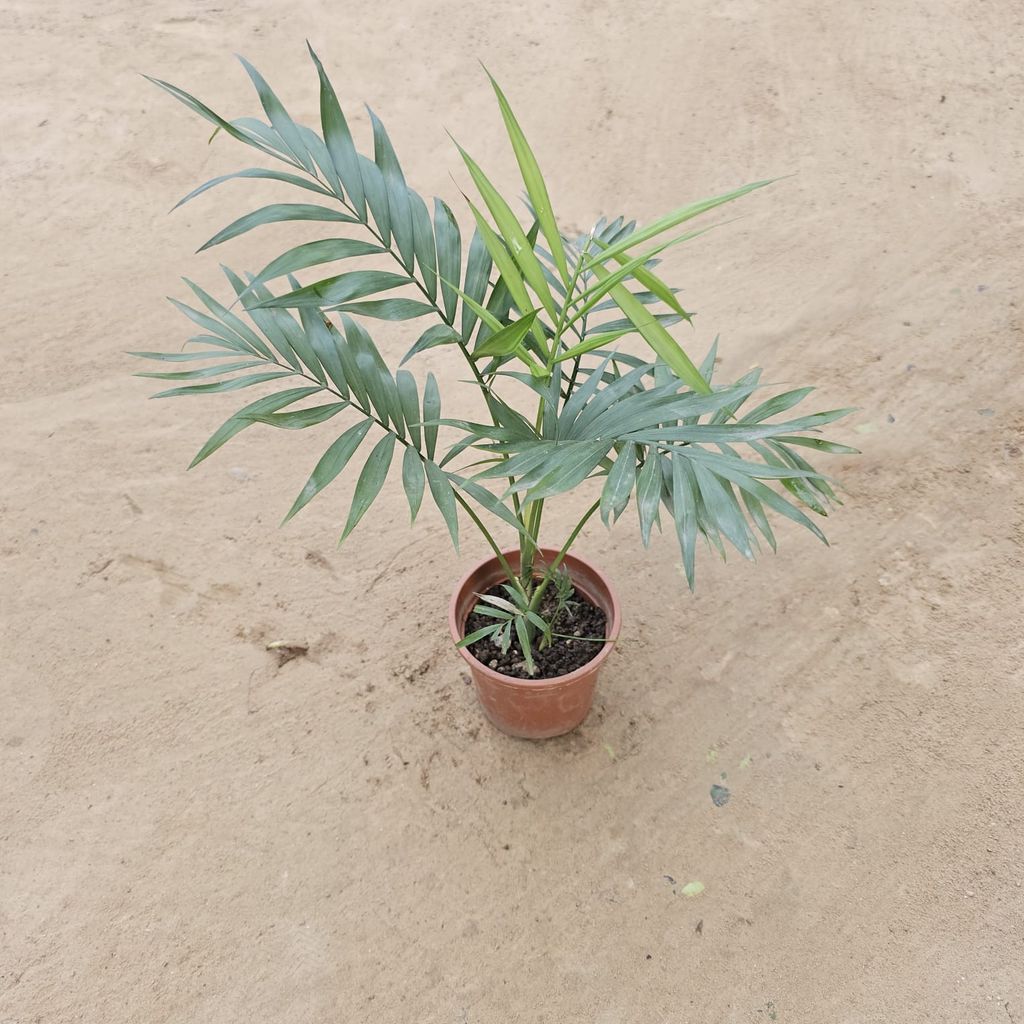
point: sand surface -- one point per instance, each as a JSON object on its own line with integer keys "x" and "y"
{"x": 190, "y": 831}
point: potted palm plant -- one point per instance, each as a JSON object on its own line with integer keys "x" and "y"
{"x": 543, "y": 322}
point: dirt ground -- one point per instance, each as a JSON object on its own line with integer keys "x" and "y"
{"x": 191, "y": 831}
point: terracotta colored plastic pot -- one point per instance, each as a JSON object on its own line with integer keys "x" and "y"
{"x": 535, "y": 709}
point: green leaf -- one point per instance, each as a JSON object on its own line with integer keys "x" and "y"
{"x": 707, "y": 368}
{"x": 219, "y": 330}
{"x": 184, "y": 357}
{"x": 562, "y": 469}
{"x": 592, "y": 342}
{"x": 514, "y": 236}
{"x": 387, "y": 309}
{"x": 375, "y": 376}
{"x": 439, "y": 334}
{"x": 322, "y": 158}
{"x": 312, "y": 254}
{"x": 339, "y": 140}
{"x": 478, "y": 271}
{"x": 301, "y": 418}
{"x": 768, "y": 497}
{"x": 506, "y": 416}
{"x": 279, "y": 117}
{"x": 478, "y": 634}
{"x": 235, "y": 325}
{"x": 449, "y": 257}
{"x": 376, "y": 190}
{"x": 704, "y": 433}
{"x": 780, "y": 470}
{"x": 651, "y": 281}
{"x": 223, "y": 385}
{"x": 205, "y": 112}
{"x": 206, "y": 371}
{"x": 756, "y": 511}
{"x": 626, "y": 325}
{"x": 780, "y": 403}
{"x": 593, "y": 295}
{"x": 581, "y": 405}
{"x": 237, "y": 423}
{"x": 493, "y": 613}
{"x": 276, "y": 324}
{"x": 684, "y": 512}
{"x": 423, "y": 238}
{"x": 814, "y": 479}
{"x": 775, "y": 456}
{"x": 510, "y": 274}
{"x": 444, "y": 498}
{"x": 353, "y": 374}
{"x": 400, "y": 213}
{"x": 534, "y": 181}
{"x": 490, "y": 502}
{"x": 670, "y": 220}
{"x": 264, "y": 132}
{"x": 431, "y": 412}
{"x": 371, "y": 480}
{"x": 648, "y": 495}
{"x": 274, "y": 214}
{"x": 523, "y": 635}
{"x": 254, "y": 172}
{"x": 490, "y": 321}
{"x": 408, "y": 396}
{"x": 655, "y": 335}
{"x": 273, "y": 323}
{"x": 508, "y": 339}
{"x": 820, "y": 445}
{"x": 342, "y": 288}
{"x": 728, "y": 411}
{"x": 331, "y": 463}
{"x": 619, "y": 485}
{"x": 722, "y": 507}
{"x": 324, "y": 341}
{"x": 412, "y": 480}
{"x": 299, "y": 341}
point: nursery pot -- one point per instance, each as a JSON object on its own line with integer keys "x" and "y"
{"x": 535, "y": 709}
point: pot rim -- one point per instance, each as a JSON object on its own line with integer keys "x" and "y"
{"x": 612, "y": 628}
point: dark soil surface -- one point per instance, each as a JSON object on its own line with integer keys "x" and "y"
{"x": 580, "y": 619}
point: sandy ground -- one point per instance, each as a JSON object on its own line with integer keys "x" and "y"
{"x": 191, "y": 832}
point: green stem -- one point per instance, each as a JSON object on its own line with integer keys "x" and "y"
{"x": 559, "y": 558}
{"x": 528, "y": 544}
{"x": 502, "y": 560}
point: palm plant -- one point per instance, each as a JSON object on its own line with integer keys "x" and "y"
{"x": 540, "y": 319}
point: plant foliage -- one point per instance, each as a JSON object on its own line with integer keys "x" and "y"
{"x": 531, "y": 310}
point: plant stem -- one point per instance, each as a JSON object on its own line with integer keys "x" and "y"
{"x": 559, "y": 558}
{"x": 502, "y": 560}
